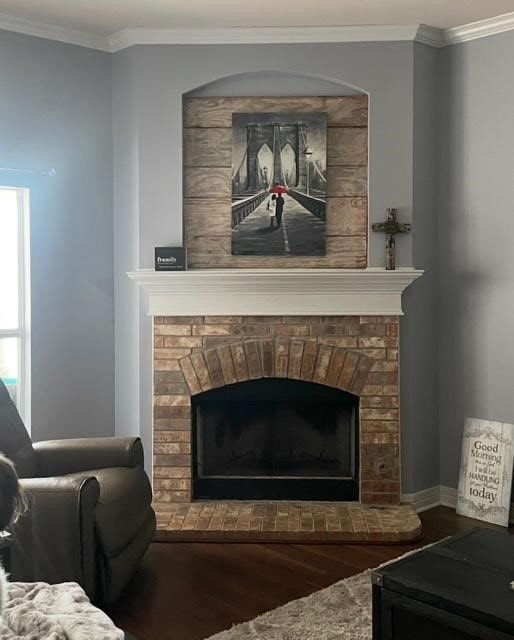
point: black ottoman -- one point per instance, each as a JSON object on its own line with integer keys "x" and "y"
{"x": 458, "y": 589}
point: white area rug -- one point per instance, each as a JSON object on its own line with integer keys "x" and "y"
{"x": 339, "y": 612}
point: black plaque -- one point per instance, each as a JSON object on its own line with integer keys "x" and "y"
{"x": 170, "y": 259}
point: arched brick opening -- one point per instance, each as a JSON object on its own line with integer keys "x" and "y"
{"x": 250, "y": 359}
{"x": 358, "y": 355}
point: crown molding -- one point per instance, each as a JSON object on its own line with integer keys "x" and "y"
{"x": 480, "y": 29}
{"x": 431, "y": 36}
{"x": 125, "y": 38}
{"x": 263, "y": 35}
{"x": 53, "y": 32}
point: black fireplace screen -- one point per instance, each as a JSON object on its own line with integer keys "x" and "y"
{"x": 275, "y": 438}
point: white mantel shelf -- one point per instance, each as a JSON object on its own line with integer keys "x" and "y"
{"x": 258, "y": 292}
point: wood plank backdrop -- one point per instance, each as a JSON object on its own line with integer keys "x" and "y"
{"x": 207, "y": 156}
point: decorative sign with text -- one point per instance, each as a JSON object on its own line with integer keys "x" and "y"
{"x": 170, "y": 259}
{"x": 486, "y": 471}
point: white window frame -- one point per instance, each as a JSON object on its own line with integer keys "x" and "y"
{"x": 22, "y": 331}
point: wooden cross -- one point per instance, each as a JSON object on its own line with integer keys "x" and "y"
{"x": 391, "y": 226}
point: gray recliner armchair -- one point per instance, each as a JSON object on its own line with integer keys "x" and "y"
{"x": 90, "y": 518}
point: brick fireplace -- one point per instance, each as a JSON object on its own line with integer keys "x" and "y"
{"x": 356, "y": 354}
{"x": 332, "y": 330}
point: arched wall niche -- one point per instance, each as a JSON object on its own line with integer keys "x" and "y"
{"x": 207, "y": 160}
{"x": 163, "y": 76}
{"x": 274, "y": 83}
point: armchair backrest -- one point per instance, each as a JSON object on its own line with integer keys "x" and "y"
{"x": 14, "y": 439}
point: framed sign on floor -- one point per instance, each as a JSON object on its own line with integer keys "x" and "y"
{"x": 485, "y": 479}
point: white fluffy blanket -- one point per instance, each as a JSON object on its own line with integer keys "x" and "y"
{"x": 41, "y": 611}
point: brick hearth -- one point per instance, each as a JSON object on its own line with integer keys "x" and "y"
{"x": 358, "y": 354}
{"x": 286, "y": 522}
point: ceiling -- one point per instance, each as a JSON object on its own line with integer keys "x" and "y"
{"x": 105, "y": 17}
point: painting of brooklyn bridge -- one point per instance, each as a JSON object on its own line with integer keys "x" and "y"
{"x": 279, "y": 184}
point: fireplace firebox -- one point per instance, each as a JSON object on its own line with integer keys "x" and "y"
{"x": 275, "y": 439}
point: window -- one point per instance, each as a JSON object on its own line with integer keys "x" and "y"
{"x": 15, "y": 296}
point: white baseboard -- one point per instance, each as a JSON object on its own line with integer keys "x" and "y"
{"x": 448, "y": 496}
{"x": 423, "y": 500}
{"x": 438, "y": 496}
{"x": 429, "y": 498}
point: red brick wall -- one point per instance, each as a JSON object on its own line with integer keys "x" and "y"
{"x": 356, "y": 354}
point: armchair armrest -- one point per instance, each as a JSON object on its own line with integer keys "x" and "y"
{"x": 59, "y": 457}
{"x": 54, "y": 541}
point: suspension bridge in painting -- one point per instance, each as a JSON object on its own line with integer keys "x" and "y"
{"x": 252, "y": 183}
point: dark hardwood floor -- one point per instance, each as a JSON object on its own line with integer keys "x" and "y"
{"x": 189, "y": 591}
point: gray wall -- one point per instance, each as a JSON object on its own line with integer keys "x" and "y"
{"x": 418, "y": 353}
{"x": 165, "y": 73}
{"x": 476, "y": 237}
{"x": 126, "y": 243}
{"x": 149, "y": 83}
{"x": 55, "y": 111}
{"x": 133, "y": 328}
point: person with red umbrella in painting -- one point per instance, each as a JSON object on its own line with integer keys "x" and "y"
{"x": 278, "y": 190}
{"x": 271, "y": 208}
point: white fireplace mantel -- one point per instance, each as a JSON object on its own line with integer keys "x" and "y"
{"x": 275, "y": 291}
